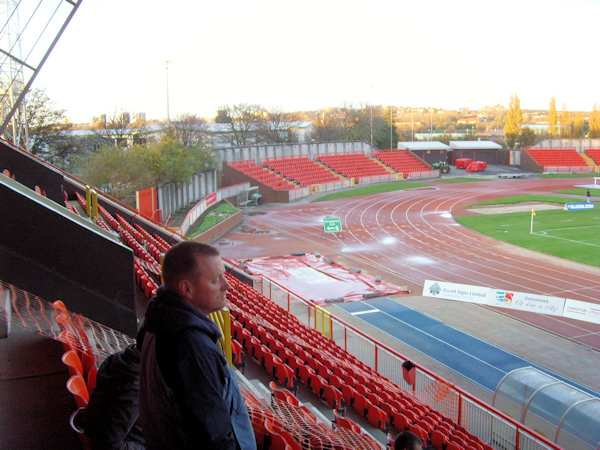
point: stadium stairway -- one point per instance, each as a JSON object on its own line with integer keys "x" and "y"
{"x": 590, "y": 162}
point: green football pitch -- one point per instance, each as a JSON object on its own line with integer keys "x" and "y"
{"x": 573, "y": 235}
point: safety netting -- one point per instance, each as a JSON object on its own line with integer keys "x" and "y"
{"x": 33, "y": 313}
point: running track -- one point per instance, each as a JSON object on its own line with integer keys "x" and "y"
{"x": 477, "y": 360}
{"x": 412, "y": 234}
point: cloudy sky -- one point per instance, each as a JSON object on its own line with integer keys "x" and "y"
{"x": 313, "y": 54}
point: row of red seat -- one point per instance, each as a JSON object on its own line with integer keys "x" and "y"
{"x": 302, "y": 170}
{"x": 286, "y": 423}
{"x": 353, "y": 165}
{"x": 330, "y": 371}
{"x": 263, "y": 175}
{"x": 401, "y": 161}
{"x": 556, "y": 157}
{"x": 594, "y": 153}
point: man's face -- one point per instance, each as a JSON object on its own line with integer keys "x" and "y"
{"x": 206, "y": 292}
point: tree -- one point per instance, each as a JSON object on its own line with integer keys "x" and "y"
{"x": 327, "y": 127}
{"x": 46, "y": 126}
{"x": 118, "y": 172}
{"x": 514, "y": 121}
{"x": 565, "y": 122}
{"x": 578, "y": 125}
{"x": 552, "y": 118}
{"x": 355, "y": 122}
{"x": 244, "y": 120}
{"x": 594, "y": 123}
{"x": 188, "y": 129}
{"x": 276, "y": 128}
{"x": 526, "y": 137}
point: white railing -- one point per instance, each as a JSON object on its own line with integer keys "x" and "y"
{"x": 211, "y": 199}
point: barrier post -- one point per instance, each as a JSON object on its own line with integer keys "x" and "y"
{"x": 88, "y": 199}
{"x": 94, "y": 206}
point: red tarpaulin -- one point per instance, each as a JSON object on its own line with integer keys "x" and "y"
{"x": 316, "y": 279}
{"x": 463, "y": 163}
{"x": 476, "y": 166}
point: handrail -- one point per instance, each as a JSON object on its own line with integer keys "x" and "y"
{"x": 520, "y": 429}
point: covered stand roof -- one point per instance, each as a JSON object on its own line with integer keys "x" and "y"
{"x": 422, "y": 145}
{"x": 474, "y": 145}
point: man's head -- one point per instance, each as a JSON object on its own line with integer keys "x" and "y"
{"x": 408, "y": 441}
{"x": 195, "y": 272}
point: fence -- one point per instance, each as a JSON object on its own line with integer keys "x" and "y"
{"x": 568, "y": 169}
{"x": 482, "y": 420}
{"x": 257, "y": 153}
{"x": 211, "y": 199}
{"x": 423, "y": 175}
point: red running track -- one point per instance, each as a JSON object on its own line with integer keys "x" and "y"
{"x": 412, "y": 236}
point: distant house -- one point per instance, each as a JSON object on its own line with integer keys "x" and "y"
{"x": 216, "y": 135}
{"x": 220, "y": 135}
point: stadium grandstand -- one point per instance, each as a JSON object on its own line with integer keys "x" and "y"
{"x": 556, "y": 160}
{"x": 77, "y": 269}
{"x": 303, "y": 369}
{"x": 402, "y": 162}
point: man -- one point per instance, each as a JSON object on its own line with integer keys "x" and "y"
{"x": 408, "y": 441}
{"x": 189, "y": 398}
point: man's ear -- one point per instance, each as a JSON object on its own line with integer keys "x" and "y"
{"x": 184, "y": 288}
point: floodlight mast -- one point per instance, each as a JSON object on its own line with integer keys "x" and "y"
{"x": 13, "y": 59}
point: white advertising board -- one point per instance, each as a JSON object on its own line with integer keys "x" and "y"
{"x": 579, "y": 310}
{"x": 458, "y": 292}
{"x": 540, "y": 304}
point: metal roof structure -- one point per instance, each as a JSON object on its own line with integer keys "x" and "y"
{"x": 474, "y": 145}
{"x": 423, "y": 145}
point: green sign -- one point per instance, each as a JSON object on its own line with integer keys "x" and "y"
{"x": 332, "y": 224}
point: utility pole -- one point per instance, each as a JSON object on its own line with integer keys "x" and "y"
{"x": 391, "y": 128}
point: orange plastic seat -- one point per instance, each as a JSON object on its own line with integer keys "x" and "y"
{"x": 71, "y": 359}
{"x": 77, "y": 387}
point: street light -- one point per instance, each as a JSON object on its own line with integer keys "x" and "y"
{"x": 168, "y": 116}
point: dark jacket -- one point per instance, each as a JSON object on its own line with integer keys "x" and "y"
{"x": 111, "y": 418}
{"x": 189, "y": 398}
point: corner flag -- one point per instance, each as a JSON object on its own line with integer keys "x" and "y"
{"x": 532, "y": 214}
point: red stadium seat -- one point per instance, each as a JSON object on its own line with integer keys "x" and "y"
{"x": 77, "y": 387}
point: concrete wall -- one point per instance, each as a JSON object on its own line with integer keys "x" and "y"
{"x": 173, "y": 197}
{"x": 310, "y": 150}
{"x": 579, "y": 144}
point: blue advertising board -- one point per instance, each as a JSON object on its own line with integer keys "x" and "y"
{"x": 578, "y": 206}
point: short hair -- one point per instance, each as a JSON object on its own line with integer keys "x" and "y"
{"x": 407, "y": 441}
{"x": 181, "y": 261}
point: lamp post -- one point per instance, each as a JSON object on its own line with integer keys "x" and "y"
{"x": 391, "y": 127}
{"x": 168, "y": 116}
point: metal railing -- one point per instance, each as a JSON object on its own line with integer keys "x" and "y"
{"x": 199, "y": 208}
{"x": 479, "y": 418}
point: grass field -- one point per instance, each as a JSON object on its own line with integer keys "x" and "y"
{"x": 573, "y": 235}
{"x": 582, "y": 192}
{"x": 372, "y": 189}
{"x": 511, "y": 200}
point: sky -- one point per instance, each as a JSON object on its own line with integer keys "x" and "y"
{"x": 321, "y": 53}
